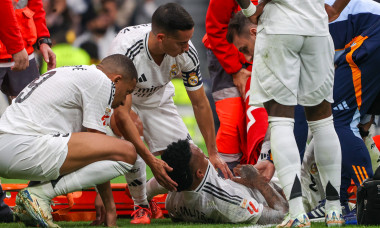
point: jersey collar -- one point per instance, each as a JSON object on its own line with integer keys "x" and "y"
{"x": 200, "y": 186}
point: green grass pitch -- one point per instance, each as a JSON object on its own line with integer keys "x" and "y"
{"x": 125, "y": 222}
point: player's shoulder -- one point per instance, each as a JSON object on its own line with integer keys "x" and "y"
{"x": 130, "y": 39}
{"x": 132, "y": 34}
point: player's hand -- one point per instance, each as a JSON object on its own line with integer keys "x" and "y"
{"x": 159, "y": 169}
{"x": 100, "y": 212}
{"x": 247, "y": 175}
{"x": 218, "y": 163}
{"x": 266, "y": 169}
{"x": 48, "y": 56}
{"x": 21, "y": 59}
{"x": 103, "y": 217}
{"x": 331, "y": 12}
{"x": 240, "y": 80}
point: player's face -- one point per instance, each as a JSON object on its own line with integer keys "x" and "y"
{"x": 245, "y": 43}
{"x": 198, "y": 158}
{"x": 122, "y": 89}
{"x": 177, "y": 44}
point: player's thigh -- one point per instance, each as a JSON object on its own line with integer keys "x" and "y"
{"x": 17, "y": 80}
{"x": 317, "y": 71}
{"x": 231, "y": 116}
{"x": 276, "y": 69}
{"x": 32, "y": 157}
{"x": 85, "y": 148}
{"x": 162, "y": 125}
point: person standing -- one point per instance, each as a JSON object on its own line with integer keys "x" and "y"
{"x": 294, "y": 65}
{"x": 162, "y": 51}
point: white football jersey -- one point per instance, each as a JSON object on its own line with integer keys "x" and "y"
{"x": 153, "y": 79}
{"x": 61, "y": 101}
{"x": 295, "y": 17}
{"x": 216, "y": 200}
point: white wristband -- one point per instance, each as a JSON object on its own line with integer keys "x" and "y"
{"x": 249, "y": 11}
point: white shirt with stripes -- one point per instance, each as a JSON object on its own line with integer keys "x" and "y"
{"x": 61, "y": 101}
{"x": 154, "y": 79}
{"x": 216, "y": 200}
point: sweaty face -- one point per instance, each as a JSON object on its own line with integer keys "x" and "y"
{"x": 178, "y": 43}
{"x": 123, "y": 88}
{"x": 246, "y": 45}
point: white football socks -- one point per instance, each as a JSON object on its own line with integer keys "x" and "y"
{"x": 328, "y": 156}
{"x": 153, "y": 188}
{"x": 287, "y": 161}
{"x": 136, "y": 180}
{"x": 89, "y": 176}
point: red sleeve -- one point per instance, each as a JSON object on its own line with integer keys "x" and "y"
{"x": 39, "y": 18}
{"x": 217, "y": 18}
{"x": 10, "y": 34}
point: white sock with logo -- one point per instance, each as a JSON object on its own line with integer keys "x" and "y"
{"x": 136, "y": 180}
{"x": 328, "y": 156}
{"x": 287, "y": 161}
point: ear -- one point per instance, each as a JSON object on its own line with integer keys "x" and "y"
{"x": 253, "y": 31}
{"x": 160, "y": 37}
{"x": 116, "y": 78}
{"x": 199, "y": 174}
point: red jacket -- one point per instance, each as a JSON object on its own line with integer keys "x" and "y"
{"x": 218, "y": 16}
{"x": 10, "y": 34}
{"x": 31, "y": 23}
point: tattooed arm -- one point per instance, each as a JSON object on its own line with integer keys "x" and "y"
{"x": 277, "y": 204}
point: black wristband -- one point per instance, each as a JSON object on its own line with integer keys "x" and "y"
{"x": 43, "y": 40}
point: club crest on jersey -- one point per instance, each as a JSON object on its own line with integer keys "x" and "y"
{"x": 174, "y": 71}
{"x": 193, "y": 79}
{"x": 106, "y": 116}
{"x": 313, "y": 169}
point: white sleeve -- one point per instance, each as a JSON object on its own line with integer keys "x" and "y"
{"x": 97, "y": 102}
{"x": 191, "y": 74}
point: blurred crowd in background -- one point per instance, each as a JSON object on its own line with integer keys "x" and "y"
{"x": 92, "y": 24}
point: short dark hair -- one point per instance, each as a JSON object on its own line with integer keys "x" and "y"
{"x": 170, "y": 18}
{"x": 120, "y": 64}
{"x": 237, "y": 26}
{"x": 178, "y": 155}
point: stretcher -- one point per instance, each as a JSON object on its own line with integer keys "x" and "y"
{"x": 79, "y": 206}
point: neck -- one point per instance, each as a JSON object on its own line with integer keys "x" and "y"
{"x": 154, "y": 49}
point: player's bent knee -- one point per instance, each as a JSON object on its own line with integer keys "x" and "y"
{"x": 126, "y": 153}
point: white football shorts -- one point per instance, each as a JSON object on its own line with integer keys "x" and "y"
{"x": 36, "y": 158}
{"x": 292, "y": 69}
{"x": 162, "y": 125}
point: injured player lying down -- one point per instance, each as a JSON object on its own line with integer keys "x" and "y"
{"x": 203, "y": 196}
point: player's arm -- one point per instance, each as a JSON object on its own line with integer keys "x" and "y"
{"x": 278, "y": 206}
{"x": 334, "y": 11}
{"x": 205, "y": 121}
{"x": 251, "y": 11}
{"x": 128, "y": 130}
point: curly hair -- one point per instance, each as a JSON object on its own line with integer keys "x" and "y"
{"x": 177, "y": 156}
